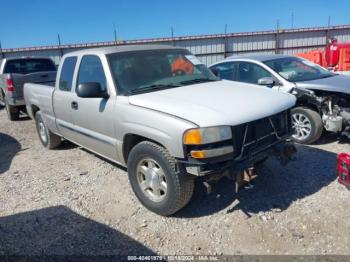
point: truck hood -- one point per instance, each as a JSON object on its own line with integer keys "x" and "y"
{"x": 337, "y": 83}
{"x": 216, "y": 103}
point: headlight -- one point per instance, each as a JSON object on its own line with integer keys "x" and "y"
{"x": 206, "y": 135}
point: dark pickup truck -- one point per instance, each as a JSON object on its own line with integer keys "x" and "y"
{"x": 14, "y": 73}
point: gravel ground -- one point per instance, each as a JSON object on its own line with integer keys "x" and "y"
{"x": 69, "y": 201}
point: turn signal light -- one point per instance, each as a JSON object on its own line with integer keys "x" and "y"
{"x": 198, "y": 154}
{"x": 208, "y": 153}
{"x": 193, "y": 137}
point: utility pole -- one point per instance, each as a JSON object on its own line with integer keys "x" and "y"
{"x": 172, "y": 36}
{"x": 277, "y": 36}
{"x": 328, "y": 29}
{"x": 225, "y": 42}
{"x": 59, "y": 44}
{"x": 2, "y": 54}
{"x": 115, "y": 35}
{"x": 292, "y": 20}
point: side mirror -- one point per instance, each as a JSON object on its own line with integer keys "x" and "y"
{"x": 266, "y": 81}
{"x": 91, "y": 90}
{"x": 215, "y": 71}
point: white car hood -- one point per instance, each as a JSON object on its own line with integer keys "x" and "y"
{"x": 216, "y": 103}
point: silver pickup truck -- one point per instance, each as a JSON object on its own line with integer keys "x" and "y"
{"x": 14, "y": 72}
{"x": 159, "y": 111}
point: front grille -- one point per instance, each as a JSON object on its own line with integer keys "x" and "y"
{"x": 250, "y": 138}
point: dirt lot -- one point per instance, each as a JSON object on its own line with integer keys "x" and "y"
{"x": 69, "y": 201}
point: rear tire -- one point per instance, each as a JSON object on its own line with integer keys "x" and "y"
{"x": 307, "y": 125}
{"x": 47, "y": 138}
{"x": 12, "y": 112}
{"x": 152, "y": 169}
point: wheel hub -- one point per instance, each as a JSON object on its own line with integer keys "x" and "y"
{"x": 42, "y": 131}
{"x": 301, "y": 125}
{"x": 151, "y": 179}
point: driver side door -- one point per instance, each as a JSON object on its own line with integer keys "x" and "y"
{"x": 94, "y": 117}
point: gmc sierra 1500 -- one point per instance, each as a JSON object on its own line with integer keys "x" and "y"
{"x": 159, "y": 111}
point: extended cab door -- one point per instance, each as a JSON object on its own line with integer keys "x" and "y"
{"x": 63, "y": 97}
{"x": 94, "y": 118}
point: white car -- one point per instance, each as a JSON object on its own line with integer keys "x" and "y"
{"x": 323, "y": 97}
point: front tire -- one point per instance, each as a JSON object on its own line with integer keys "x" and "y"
{"x": 157, "y": 180}
{"x": 12, "y": 112}
{"x": 47, "y": 138}
{"x": 307, "y": 125}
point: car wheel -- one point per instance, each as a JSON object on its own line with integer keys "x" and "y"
{"x": 47, "y": 138}
{"x": 12, "y": 112}
{"x": 307, "y": 125}
{"x": 157, "y": 180}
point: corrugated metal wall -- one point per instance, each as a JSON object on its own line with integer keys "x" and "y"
{"x": 211, "y": 48}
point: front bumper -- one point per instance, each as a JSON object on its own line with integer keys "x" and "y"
{"x": 283, "y": 150}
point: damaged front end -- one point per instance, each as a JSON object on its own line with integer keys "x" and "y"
{"x": 333, "y": 107}
{"x": 253, "y": 143}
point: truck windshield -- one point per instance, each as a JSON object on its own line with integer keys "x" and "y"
{"x": 146, "y": 71}
{"x": 28, "y": 66}
{"x": 295, "y": 69}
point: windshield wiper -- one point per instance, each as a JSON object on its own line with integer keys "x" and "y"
{"x": 153, "y": 87}
{"x": 197, "y": 80}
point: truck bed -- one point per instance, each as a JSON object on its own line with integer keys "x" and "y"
{"x": 39, "y": 95}
{"x": 20, "y": 79}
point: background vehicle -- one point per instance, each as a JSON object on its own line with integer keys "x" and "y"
{"x": 323, "y": 96}
{"x": 14, "y": 72}
{"x": 167, "y": 124}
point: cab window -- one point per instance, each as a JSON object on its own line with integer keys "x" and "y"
{"x": 91, "y": 70}
{"x": 251, "y": 73}
{"x": 67, "y": 71}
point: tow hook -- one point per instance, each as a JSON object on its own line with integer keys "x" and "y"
{"x": 285, "y": 152}
{"x": 209, "y": 182}
{"x": 245, "y": 178}
{"x": 242, "y": 179}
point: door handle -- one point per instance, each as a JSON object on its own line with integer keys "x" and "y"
{"x": 74, "y": 105}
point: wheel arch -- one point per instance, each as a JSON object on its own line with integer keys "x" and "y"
{"x": 130, "y": 140}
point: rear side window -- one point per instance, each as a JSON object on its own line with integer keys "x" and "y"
{"x": 91, "y": 70}
{"x": 28, "y": 66}
{"x": 251, "y": 73}
{"x": 66, "y": 77}
{"x": 226, "y": 70}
